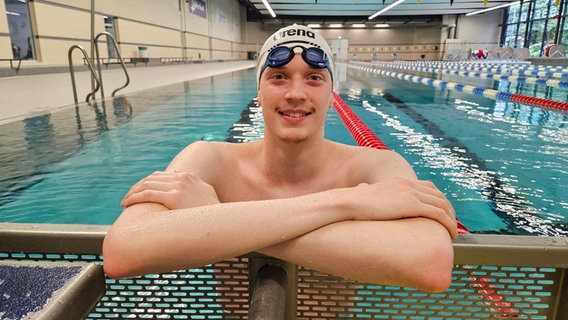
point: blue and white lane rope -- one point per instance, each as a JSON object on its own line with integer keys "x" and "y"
{"x": 505, "y": 69}
{"x": 479, "y": 91}
{"x": 554, "y": 83}
{"x": 482, "y": 65}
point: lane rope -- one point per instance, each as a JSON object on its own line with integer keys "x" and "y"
{"x": 479, "y": 91}
{"x": 364, "y": 136}
{"x": 493, "y": 74}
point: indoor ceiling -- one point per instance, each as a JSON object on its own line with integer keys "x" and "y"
{"x": 325, "y": 12}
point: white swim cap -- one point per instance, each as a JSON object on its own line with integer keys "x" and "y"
{"x": 291, "y": 36}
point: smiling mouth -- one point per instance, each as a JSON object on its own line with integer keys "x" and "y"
{"x": 295, "y": 114}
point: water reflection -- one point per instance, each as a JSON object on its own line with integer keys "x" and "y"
{"x": 74, "y": 164}
{"x": 37, "y": 142}
{"x": 456, "y": 149}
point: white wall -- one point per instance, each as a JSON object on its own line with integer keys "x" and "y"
{"x": 158, "y": 25}
{"x": 223, "y": 34}
{"x": 389, "y": 43}
{"x": 482, "y": 29}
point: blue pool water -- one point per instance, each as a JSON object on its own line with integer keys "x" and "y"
{"x": 501, "y": 164}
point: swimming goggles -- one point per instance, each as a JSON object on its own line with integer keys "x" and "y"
{"x": 281, "y": 55}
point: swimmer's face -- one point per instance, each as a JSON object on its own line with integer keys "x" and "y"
{"x": 295, "y": 99}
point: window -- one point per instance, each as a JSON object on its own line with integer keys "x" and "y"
{"x": 111, "y": 28}
{"x": 563, "y": 39}
{"x": 21, "y": 36}
{"x": 535, "y": 25}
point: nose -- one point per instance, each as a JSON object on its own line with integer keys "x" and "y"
{"x": 296, "y": 89}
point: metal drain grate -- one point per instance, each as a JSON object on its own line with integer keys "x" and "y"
{"x": 513, "y": 277}
{"x": 216, "y": 292}
{"x": 477, "y": 292}
{"x": 220, "y": 291}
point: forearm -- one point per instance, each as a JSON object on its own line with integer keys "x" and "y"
{"x": 148, "y": 238}
{"x": 410, "y": 252}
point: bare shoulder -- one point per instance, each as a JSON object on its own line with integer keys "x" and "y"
{"x": 205, "y": 158}
{"x": 210, "y": 147}
{"x": 376, "y": 164}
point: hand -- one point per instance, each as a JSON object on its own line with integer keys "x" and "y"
{"x": 404, "y": 198}
{"x": 174, "y": 190}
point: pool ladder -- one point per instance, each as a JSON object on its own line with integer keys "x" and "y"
{"x": 98, "y": 80}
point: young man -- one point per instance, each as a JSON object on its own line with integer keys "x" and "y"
{"x": 354, "y": 212}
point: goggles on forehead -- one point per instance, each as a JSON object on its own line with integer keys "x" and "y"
{"x": 281, "y": 55}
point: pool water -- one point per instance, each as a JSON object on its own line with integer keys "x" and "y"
{"x": 502, "y": 165}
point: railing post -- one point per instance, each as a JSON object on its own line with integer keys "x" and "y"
{"x": 98, "y": 59}
{"x": 562, "y": 304}
{"x": 273, "y": 289}
{"x": 72, "y": 72}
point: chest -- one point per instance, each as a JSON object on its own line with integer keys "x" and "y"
{"x": 247, "y": 184}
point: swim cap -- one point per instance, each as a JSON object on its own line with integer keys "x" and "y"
{"x": 294, "y": 35}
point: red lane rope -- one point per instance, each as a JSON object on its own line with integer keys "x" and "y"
{"x": 364, "y": 136}
{"x": 538, "y": 102}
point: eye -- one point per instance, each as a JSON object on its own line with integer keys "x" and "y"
{"x": 316, "y": 77}
{"x": 275, "y": 74}
{"x": 277, "y": 77}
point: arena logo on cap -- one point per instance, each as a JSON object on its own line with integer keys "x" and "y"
{"x": 294, "y": 32}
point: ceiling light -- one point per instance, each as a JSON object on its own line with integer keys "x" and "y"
{"x": 314, "y": 25}
{"x": 493, "y": 8}
{"x": 390, "y": 6}
{"x": 382, "y": 25}
{"x": 336, "y": 25}
{"x": 358, "y": 25}
{"x": 269, "y": 8}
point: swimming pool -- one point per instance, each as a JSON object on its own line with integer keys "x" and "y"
{"x": 501, "y": 164}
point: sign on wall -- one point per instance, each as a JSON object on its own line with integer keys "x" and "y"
{"x": 198, "y": 7}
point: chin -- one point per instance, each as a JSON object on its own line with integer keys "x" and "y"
{"x": 293, "y": 140}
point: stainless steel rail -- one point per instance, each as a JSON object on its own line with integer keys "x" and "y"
{"x": 98, "y": 80}
{"x": 72, "y": 72}
{"x": 495, "y": 276}
{"x": 120, "y": 60}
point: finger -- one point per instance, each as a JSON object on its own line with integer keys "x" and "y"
{"x": 148, "y": 185}
{"x": 438, "y": 202}
{"x": 452, "y": 224}
{"x": 439, "y": 215}
{"x": 430, "y": 188}
{"x": 145, "y": 196}
{"x": 440, "y": 210}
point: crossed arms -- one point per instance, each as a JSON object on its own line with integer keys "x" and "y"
{"x": 397, "y": 231}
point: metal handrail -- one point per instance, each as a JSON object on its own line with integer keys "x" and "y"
{"x": 530, "y": 255}
{"x": 72, "y": 72}
{"x": 95, "y": 40}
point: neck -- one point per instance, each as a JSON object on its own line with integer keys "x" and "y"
{"x": 293, "y": 162}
